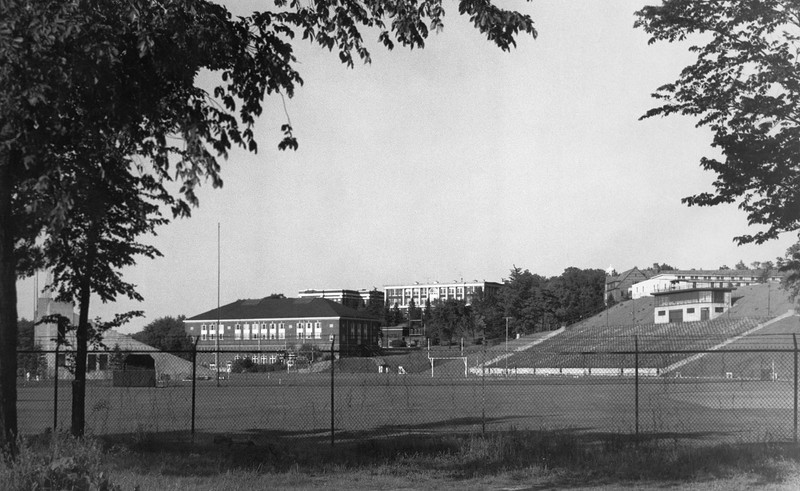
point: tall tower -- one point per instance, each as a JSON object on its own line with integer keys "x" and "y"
{"x": 44, "y": 334}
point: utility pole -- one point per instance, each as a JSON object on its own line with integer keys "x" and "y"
{"x": 216, "y": 352}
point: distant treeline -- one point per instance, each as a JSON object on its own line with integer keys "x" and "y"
{"x": 531, "y": 303}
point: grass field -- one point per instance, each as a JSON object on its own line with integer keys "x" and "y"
{"x": 263, "y": 406}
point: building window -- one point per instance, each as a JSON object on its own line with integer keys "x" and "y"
{"x": 662, "y": 312}
{"x": 690, "y": 311}
{"x": 203, "y": 335}
{"x": 211, "y": 336}
{"x": 237, "y": 333}
{"x": 281, "y": 331}
{"x": 719, "y": 309}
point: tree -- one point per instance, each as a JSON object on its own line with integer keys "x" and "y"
{"x": 395, "y": 316}
{"x": 167, "y": 334}
{"x": 740, "y": 265}
{"x": 745, "y": 87}
{"x": 109, "y": 211}
{"x": 373, "y": 308}
{"x": 789, "y": 264}
{"x": 79, "y": 78}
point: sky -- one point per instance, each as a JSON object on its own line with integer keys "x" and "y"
{"x": 455, "y": 161}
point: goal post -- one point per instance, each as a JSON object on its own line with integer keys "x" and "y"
{"x": 462, "y": 358}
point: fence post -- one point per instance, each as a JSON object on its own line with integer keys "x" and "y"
{"x": 483, "y": 389}
{"x": 55, "y": 391}
{"x": 194, "y": 380}
{"x": 332, "y": 401}
{"x": 794, "y": 339}
{"x": 636, "y": 383}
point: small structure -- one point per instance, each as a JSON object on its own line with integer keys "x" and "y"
{"x": 691, "y": 304}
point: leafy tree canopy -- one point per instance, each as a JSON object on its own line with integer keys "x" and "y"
{"x": 104, "y": 91}
{"x": 745, "y": 87}
{"x": 167, "y": 334}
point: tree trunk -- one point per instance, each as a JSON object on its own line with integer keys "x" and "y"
{"x": 8, "y": 305}
{"x": 82, "y": 339}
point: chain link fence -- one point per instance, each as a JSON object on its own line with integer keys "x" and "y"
{"x": 630, "y": 386}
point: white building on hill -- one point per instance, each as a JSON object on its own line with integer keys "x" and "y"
{"x": 685, "y": 279}
{"x": 402, "y": 295}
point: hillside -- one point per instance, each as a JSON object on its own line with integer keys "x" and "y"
{"x": 582, "y": 345}
{"x": 768, "y": 300}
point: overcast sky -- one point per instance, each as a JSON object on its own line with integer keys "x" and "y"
{"x": 456, "y": 161}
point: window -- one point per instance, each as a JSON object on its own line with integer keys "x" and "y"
{"x": 211, "y": 336}
{"x": 719, "y": 309}
{"x": 272, "y": 358}
{"x": 281, "y": 331}
{"x": 318, "y": 330}
{"x": 662, "y": 312}
{"x": 690, "y": 310}
{"x": 246, "y": 333}
{"x": 237, "y": 333}
{"x": 203, "y": 335}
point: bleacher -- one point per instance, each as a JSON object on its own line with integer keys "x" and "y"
{"x": 588, "y": 346}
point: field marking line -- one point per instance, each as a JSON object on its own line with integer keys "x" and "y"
{"x": 521, "y": 348}
{"x": 697, "y": 356}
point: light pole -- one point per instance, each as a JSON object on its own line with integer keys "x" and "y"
{"x": 507, "y": 345}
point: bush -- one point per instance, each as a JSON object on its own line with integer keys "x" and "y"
{"x": 59, "y": 462}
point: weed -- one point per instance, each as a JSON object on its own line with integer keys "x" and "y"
{"x": 56, "y": 462}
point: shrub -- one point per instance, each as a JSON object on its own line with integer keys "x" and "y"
{"x": 58, "y": 462}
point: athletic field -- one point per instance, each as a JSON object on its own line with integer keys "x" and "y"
{"x": 366, "y": 405}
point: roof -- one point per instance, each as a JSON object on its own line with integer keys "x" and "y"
{"x": 694, "y": 289}
{"x": 624, "y": 275}
{"x": 724, "y": 272}
{"x": 281, "y": 308}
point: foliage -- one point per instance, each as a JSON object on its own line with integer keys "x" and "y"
{"x": 95, "y": 93}
{"x": 167, "y": 334}
{"x": 61, "y": 463}
{"x": 450, "y": 320}
{"x": 561, "y": 459}
{"x": 790, "y": 266}
{"x": 117, "y": 359}
{"x": 394, "y": 316}
{"x": 745, "y": 86}
{"x": 536, "y": 303}
{"x": 247, "y": 365}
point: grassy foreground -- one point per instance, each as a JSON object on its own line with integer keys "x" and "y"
{"x": 504, "y": 460}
